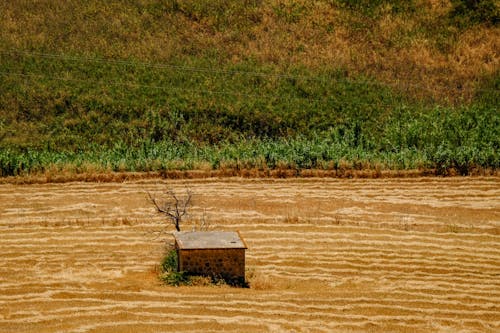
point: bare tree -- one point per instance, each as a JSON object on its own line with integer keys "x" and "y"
{"x": 202, "y": 223}
{"x": 173, "y": 206}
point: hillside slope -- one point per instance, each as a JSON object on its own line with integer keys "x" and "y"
{"x": 154, "y": 85}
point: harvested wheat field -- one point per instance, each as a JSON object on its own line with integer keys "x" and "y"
{"x": 325, "y": 255}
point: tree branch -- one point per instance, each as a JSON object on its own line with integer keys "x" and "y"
{"x": 174, "y": 207}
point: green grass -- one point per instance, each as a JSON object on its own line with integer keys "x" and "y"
{"x": 81, "y": 101}
{"x": 151, "y": 118}
{"x": 463, "y": 141}
{"x": 135, "y": 117}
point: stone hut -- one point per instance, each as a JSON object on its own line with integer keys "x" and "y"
{"x": 215, "y": 254}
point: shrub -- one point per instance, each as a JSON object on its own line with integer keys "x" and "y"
{"x": 469, "y": 12}
{"x": 170, "y": 262}
{"x": 219, "y": 14}
{"x": 372, "y": 7}
{"x": 175, "y": 278}
{"x": 169, "y": 273}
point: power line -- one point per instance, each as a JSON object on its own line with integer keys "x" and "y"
{"x": 157, "y": 87}
{"x": 192, "y": 69}
{"x": 115, "y": 83}
{"x": 137, "y": 85}
{"x": 163, "y": 66}
{"x": 183, "y": 68}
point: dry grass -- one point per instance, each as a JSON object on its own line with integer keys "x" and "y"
{"x": 325, "y": 255}
{"x": 402, "y": 50}
{"x": 58, "y": 176}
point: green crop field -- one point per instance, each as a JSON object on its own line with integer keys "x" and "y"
{"x": 255, "y": 84}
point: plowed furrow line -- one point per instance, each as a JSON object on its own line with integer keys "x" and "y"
{"x": 395, "y": 242}
{"x": 222, "y": 314}
{"x": 325, "y": 245}
{"x": 315, "y": 301}
{"x": 302, "y": 311}
{"x": 368, "y": 263}
{"x": 192, "y": 323}
{"x": 77, "y": 233}
{"x": 461, "y": 238}
{"x": 419, "y": 273}
{"x": 89, "y": 243}
{"x": 342, "y": 267}
{"x": 69, "y": 306}
{"x": 362, "y": 255}
{"x": 333, "y": 305}
{"x": 487, "y": 287}
{"x": 486, "y": 265}
{"x": 172, "y": 325}
{"x": 394, "y": 225}
{"x": 388, "y": 256}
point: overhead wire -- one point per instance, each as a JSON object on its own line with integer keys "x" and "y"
{"x": 199, "y": 91}
{"x": 163, "y": 66}
{"x": 194, "y": 69}
{"x": 158, "y": 87}
{"x": 66, "y": 79}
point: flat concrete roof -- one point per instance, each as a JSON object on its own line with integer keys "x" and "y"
{"x": 198, "y": 240}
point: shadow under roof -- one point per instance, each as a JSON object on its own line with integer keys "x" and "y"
{"x": 198, "y": 240}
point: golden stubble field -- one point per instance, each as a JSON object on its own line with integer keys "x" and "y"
{"x": 325, "y": 255}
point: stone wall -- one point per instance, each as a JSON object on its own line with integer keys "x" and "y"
{"x": 228, "y": 264}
